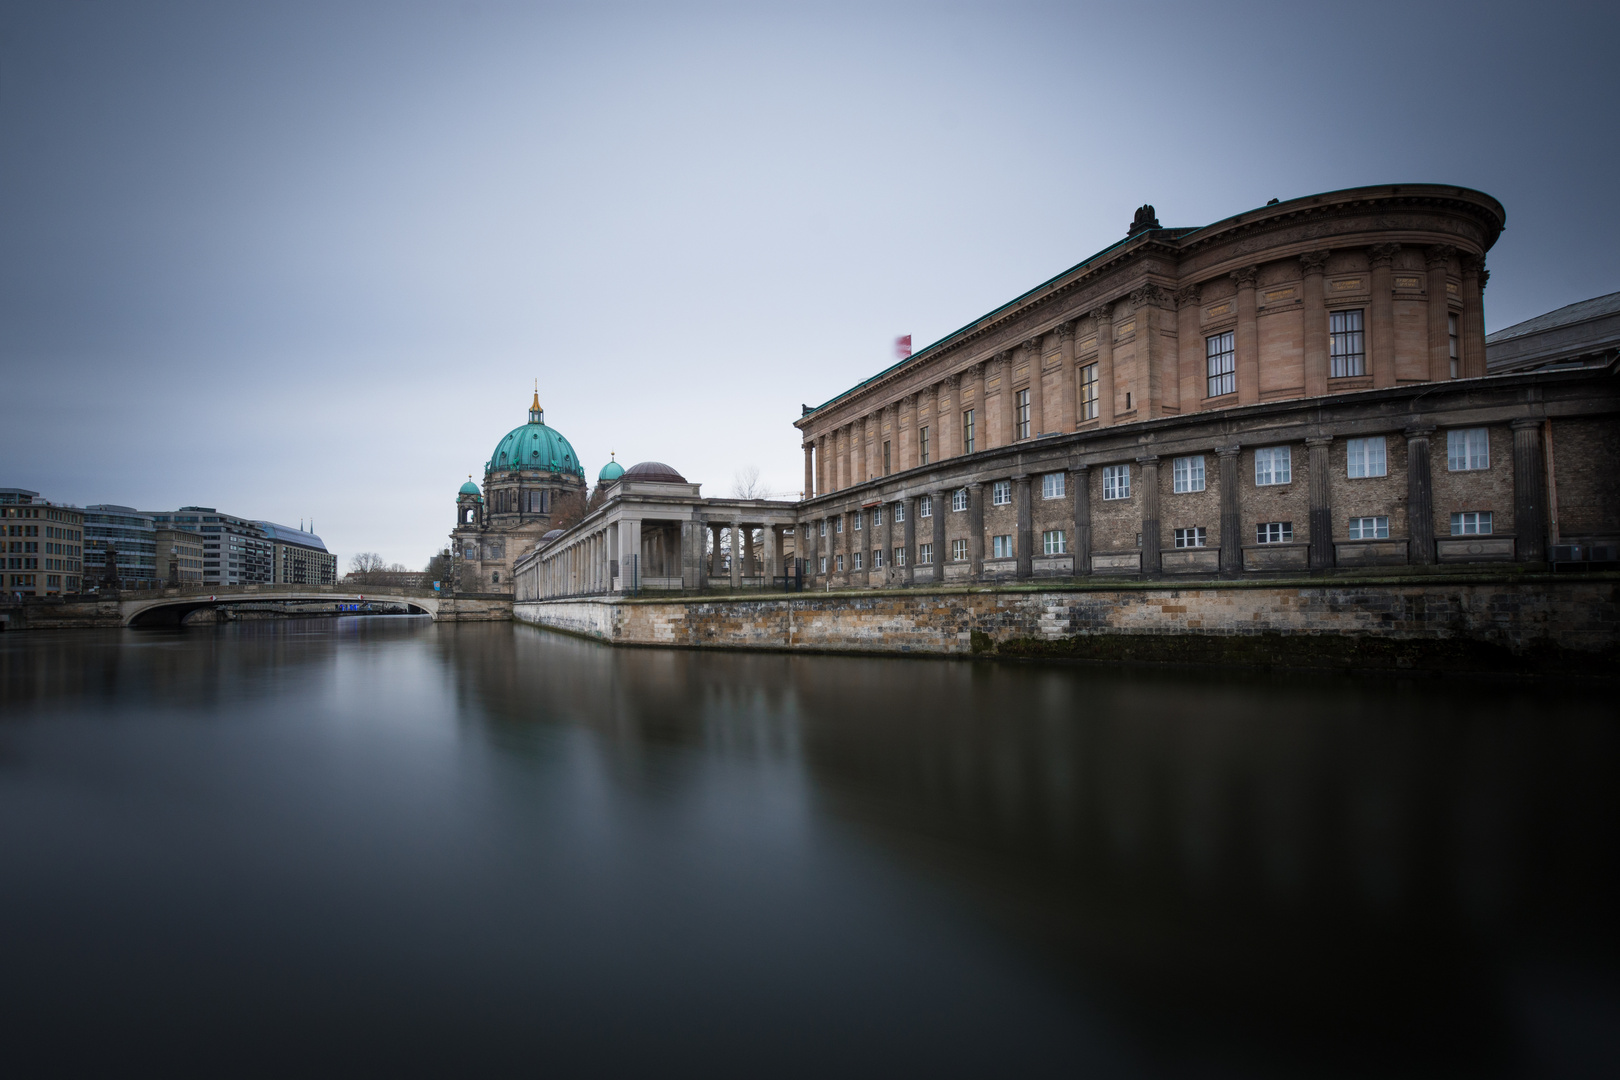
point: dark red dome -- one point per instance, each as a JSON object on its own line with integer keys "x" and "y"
{"x": 655, "y": 472}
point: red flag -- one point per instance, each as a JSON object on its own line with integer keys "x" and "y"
{"x": 902, "y": 346}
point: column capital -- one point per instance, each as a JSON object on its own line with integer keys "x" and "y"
{"x": 1189, "y": 296}
{"x": 1526, "y": 423}
{"x": 1472, "y": 264}
{"x": 1020, "y": 478}
{"x": 1319, "y": 440}
{"x": 1103, "y": 313}
{"x": 1438, "y": 256}
{"x": 1244, "y": 278}
{"x": 1229, "y": 451}
{"x": 1415, "y": 433}
{"x": 976, "y": 485}
{"x": 1382, "y": 254}
{"x": 1034, "y": 344}
{"x": 1064, "y": 330}
{"x": 1080, "y": 467}
{"x": 1148, "y": 459}
{"x": 1147, "y": 295}
{"x": 1314, "y": 262}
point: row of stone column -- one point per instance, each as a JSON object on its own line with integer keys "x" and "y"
{"x": 585, "y": 566}
{"x": 1529, "y": 493}
{"x": 839, "y": 459}
{"x": 742, "y": 550}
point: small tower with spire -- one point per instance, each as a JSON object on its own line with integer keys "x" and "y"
{"x": 537, "y": 415}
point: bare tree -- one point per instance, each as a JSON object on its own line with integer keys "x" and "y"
{"x": 746, "y": 484}
{"x": 365, "y": 565}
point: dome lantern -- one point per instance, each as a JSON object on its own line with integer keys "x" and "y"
{"x": 612, "y": 470}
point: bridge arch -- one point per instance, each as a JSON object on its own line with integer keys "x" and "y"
{"x": 172, "y": 609}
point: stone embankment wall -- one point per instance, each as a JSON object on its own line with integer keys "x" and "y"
{"x": 1521, "y": 624}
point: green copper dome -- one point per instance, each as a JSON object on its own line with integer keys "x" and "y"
{"x": 535, "y": 446}
{"x": 610, "y": 472}
{"x": 469, "y": 488}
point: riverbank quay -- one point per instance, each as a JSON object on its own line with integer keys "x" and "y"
{"x": 1503, "y": 621}
{"x": 212, "y": 603}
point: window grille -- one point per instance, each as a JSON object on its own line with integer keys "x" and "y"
{"x": 877, "y": 558}
{"x": 1274, "y": 532}
{"x": 877, "y": 516}
{"x": 899, "y": 556}
{"x": 1366, "y": 457}
{"x": 922, "y": 444}
{"x": 1116, "y": 481}
{"x": 1451, "y": 332}
{"x": 1471, "y": 523}
{"x": 1369, "y": 528}
{"x": 1023, "y": 414}
{"x": 1187, "y": 474}
{"x": 1194, "y": 537}
{"x": 857, "y": 515}
{"x": 1347, "y": 347}
{"x": 1222, "y": 359}
{"x": 1467, "y": 448}
{"x": 840, "y": 564}
{"x": 1052, "y": 485}
{"x": 1001, "y": 493}
{"x": 899, "y": 513}
{"x": 885, "y": 457}
{"x": 1053, "y": 542}
{"x": 925, "y": 506}
{"x": 1272, "y": 465}
{"x": 1088, "y": 392}
{"x": 856, "y": 565}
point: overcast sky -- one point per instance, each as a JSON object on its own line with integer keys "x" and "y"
{"x": 305, "y": 260}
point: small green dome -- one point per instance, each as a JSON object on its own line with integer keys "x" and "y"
{"x": 469, "y": 488}
{"x": 610, "y": 472}
{"x": 535, "y": 446}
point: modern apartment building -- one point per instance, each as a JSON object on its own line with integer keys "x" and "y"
{"x": 300, "y": 557}
{"x": 129, "y": 533}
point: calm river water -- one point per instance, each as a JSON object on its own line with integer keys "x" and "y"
{"x": 381, "y": 845}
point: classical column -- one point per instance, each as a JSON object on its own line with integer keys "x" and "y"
{"x": 1419, "y": 496}
{"x": 1009, "y": 413}
{"x": 910, "y": 573}
{"x": 1231, "y": 511}
{"x": 1080, "y": 477}
{"x": 1381, "y": 317}
{"x": 1066, "y": 380}
{"x": 976, "y": 530}
{"x": 772, "y": 559}
{"x": 945, "y": 416}
{"x": 1437, "y": 257}
{"x": 1529, "y": 492}
{"x": 809, "y": 471}
{"x": 1025, "y": 540}
{"x": 1321, "y": 550}
{"x": 857, "y": 454}
{"x": 1192, "y": 385}
{"x": 1149, "y": 361}
{"x": 941, "y": 508}
{"x": 1037, "y": 393}
{"x": 1104, "y": 314}
{"x": 905, "y": 414}
{"x": 714, "y": 555}
{"x": 981, "y": 420}
{"x": 736, "y": 554}
{"x": 1472, "y": 345}
{"x": 1316, "y": 323}
{"x": 888, "y": 543}
{"x": 1151, "y": 560}
{"x": 823, "y": 481}
{"x": 1246, "y": 340}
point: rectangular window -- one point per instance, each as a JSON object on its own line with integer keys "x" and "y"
{"x": 1001, "y": 493}
{"x": 1116, "y": 481}
{"x": 925, "y": 506}
{"x": 1222, "y": 360}
{"x": 823, "y": 526}
{"x": 1274, "y": 532}
{"x": 1471, "y": 523}
{"x": 857, "y": 515}
{"x": 1369, "y": 528}
{"x": 959, "y": 550}
{"x": 877, "y": 516}
{"x": 1187, "y": 474}
{"x": 922, "y": 444}
{"x": 1053, "y": 542}
{"x": 967, "y": 431}
{"x": 1021, "y": 403}
{"x": 1451, "y": 331}
{"x": 899, "y": 512}
{"x": 925, "y": 554}
{"x": 824, "y": 564}
{"x": 959, "y": 499}
{"x": 1191, "y": 538}
{"x": 840, "y": 564}
{"x": 1052, "y": 485}
{"x": 899, "y": 556}
{"x": 838, "y": 523}
{"x": 1088, "y": 392}
{"x": 877, "y": 558}
{"x": 1001, "y": 547}
{"x": 885, "y": 457}
{"x": 1467, "y": 448}
{"x": 1347, "y": 347}
{"x": 1272, "y": 465}
{"x": 1366, "y": 457}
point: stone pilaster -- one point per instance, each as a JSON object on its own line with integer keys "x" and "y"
{"x": 946, "y": 403}
{"x": 1080, "y": 477}
{"x": 1437, "y": 258}
{"x": 809, "y": 471}
{"x": 1149, "y": 362}
{"x": 1192, "y": 385}
{"x": 1321, "y": 549}
{"x": 974, "y": 380}
{"x": 1472, "y": 345}
{"x": 1152, "y": 563}
{"x": 1381, "y": 316}
{"x": 1529, "y": 492}
{"x": 909, "y": 575}
{"x": 941, "y": 507}
{"x": 1419, "y": 497}
{"x": 1231, "y": 510}
{"x": 976, "y": 530}
{"x": 823, "y": 481}
{"x": 1037, "y": 393}
{"x": 1066, "y": 391}
{"x": 736, "y": 554}
{"x": 1025, "y": 540}
{"x": 1246, "y": 338}
{"x": 1008, "y": 410}
{"x": 1316, "y": 323}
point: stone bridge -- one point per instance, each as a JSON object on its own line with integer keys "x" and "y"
{"x": 170, "y": 606}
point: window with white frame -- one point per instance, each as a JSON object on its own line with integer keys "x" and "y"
{"x": 1471, "y": 523}
{"x": 925, "y": 554}
{"x": 968, "y": 429}
{"x": 922, "y": 444}
{"x": 1366, "y": 457}
{"x": 856, "y": 565}
{"x": 824, "y": 564}
{"x": 959, "y": 499}
{"x": 1190, "y": 538}
{"x": 823, "y": 526}
{"x": 1222, "y": 364}
{"x": 1053, "y": 542}
{"x": 1347, "y": 349}
{"x": 1001, "y": 547}
{"x": 856, "y": 516}
{"x": 1468, "y": 448}
{"x": 899, "y": 556}
{"x": 1052, "y": 485}
{"x": 925, "y": 506}
{"x": 1187, "y": 474}
{"x": 1369, "y": 528}
{"x": 1001, "y": 493}
{"x": 877, "y": 517}
{"x": 838, "y": 523}
{"x": 877, "y": 558}
{"x": 958, "y": 550}
{"x": 1274, "y": 532}
{"x": 899, "y": 513}
{"x": 840, "y": 564}
{"x": 1116, "y": 481}
{"x": 1022, "y": 405}
{"x": 1272, "y": 465}
{"x": 1088, "y": 392}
